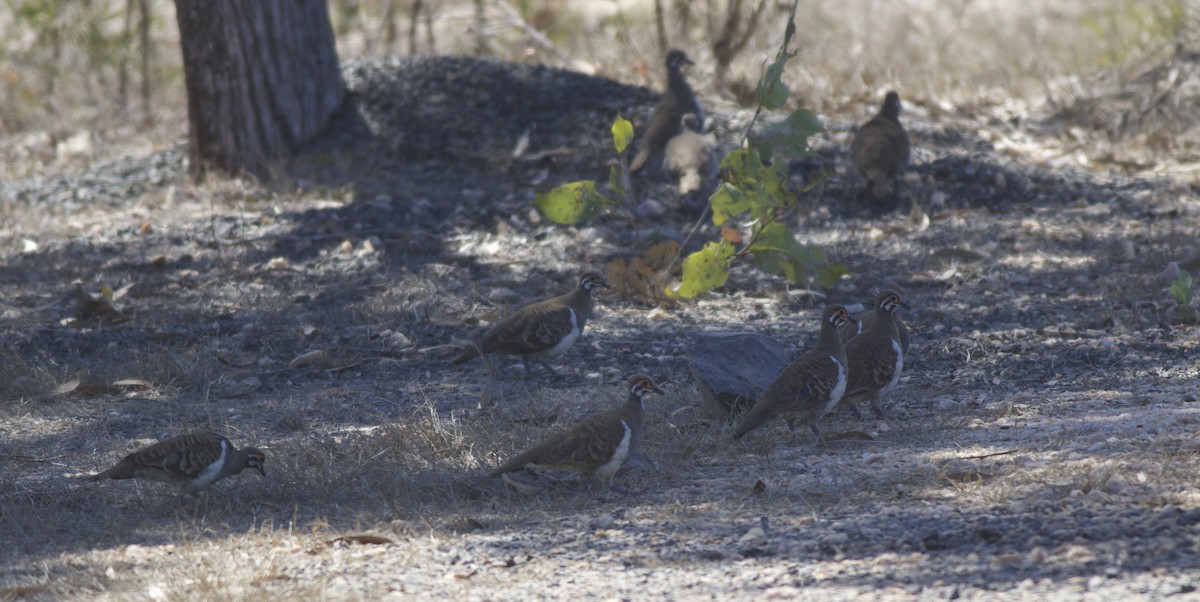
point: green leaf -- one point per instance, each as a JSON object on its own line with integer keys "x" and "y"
{"x": 704, "y": 270}
{"x": 727, "y": 202}
{"x": 777, "y": 251}
{"x": 622, "y": 133}
{"x": 828, "y": 276}
{"x": 772, "y": 92}
{"x": 571, "y": 203}
{"x": 789, "y": 137}
{"x": 1181, "y": 288}
{"x": 762, "y": 186}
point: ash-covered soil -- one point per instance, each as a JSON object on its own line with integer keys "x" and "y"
{"x": 1044, "y": 441}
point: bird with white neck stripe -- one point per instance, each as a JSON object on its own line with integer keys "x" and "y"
{"x": 542, "y": 330}
{"x": 877, "y": 355}
{"x": 596, "y": 446}
{"x": 809, "y": 387}
{"x": 192, "y": 462}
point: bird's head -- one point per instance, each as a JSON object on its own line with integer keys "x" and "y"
{"x": 254, "y": 459}
{"x": 590, "y": 280}
{"x": 888, "y": 300}
{"x": 891, "y": 105}
{"x": 641, "y": 384}
{"x": 837, "y": 315}
{"x": 677, "y": 59}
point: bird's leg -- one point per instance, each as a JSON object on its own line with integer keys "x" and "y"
{"x": 816, "y": 433}
{"x": 879, "y": 413}
{"x": 858, "y": 411}
{"x": 549, "y": 368}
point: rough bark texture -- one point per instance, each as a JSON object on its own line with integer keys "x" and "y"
{"x": 262, "y": 78}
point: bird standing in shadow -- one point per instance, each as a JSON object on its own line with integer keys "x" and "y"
{"x": 666, "y": 123}
{"x": 881, "y": 149}
{"x": 192, "y": 462}
{"x": 543, "y": 330}
{"x": 596, "y": 446}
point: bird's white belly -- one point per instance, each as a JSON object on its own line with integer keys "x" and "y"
{"x": 209, "y": 475}
{"x": 838, "y": 389}
{"x": 886, "y": 389}
{"x": 566, "y": 341}
{"x": 610, "y": 468}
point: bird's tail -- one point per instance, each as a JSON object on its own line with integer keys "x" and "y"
{"x": 754, "y": 419}
{"x": 467, "y": 355}
{"x": 879, "y": 186}
{"x": 640, "y": 159}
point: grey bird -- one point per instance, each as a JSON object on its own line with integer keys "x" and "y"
{"x": 666, "y": 122}
{"x": 881, "y": 149}
{"x": 542, "y": 330}
{"x": 810, "y": 386}
{"x": 876, "y": 356}
{"x": 192, "y": 462}
{"x": 596, "y": 446}
{"x": 857, "y": 327}
{"x": 689, "y": 155}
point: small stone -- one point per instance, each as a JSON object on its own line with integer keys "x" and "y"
{"x": 502, "y": 295}
{"x": 650, "y": 208}
{"x": 603, "y": 522}
{"x": 755, "y": 537}
{"x": 731, "y": 369}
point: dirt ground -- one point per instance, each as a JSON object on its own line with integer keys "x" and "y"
{"x": 1044, "y": 441}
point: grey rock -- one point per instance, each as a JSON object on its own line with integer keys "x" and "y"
{"x": 732, "y": 368}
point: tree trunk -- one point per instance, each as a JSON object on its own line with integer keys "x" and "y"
{"x": 262, "y": 78}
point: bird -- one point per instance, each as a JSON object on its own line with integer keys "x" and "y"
{"x": 881, "y": 149}
{"x": 665, "y": 123}
{"x": 689, "y": 155}
{"x": 857, "y": 327}
{"x": 810, "y": 386}
{"x": 541, "y": 330}
{"x": 596, "y": 446}
{"x": 876, "y": 356}
{"x": 192, "y": 462}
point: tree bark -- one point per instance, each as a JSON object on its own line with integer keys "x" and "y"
{"x": 262, "y": 78}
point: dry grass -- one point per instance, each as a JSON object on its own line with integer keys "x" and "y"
{"x": 942, "y": 54}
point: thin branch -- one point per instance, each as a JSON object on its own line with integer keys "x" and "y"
{"x": 515, "y": 20}
{"x": 751, "y": 26}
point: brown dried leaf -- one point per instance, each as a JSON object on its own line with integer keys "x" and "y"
{"x": 84, "y": 385}
{"x": 733, "y": 235}
{"x": 850, "y": 436}
{"x": 659, "y": 256}
{"x": 760, "y": 487}
{"x": 311, "y": 358}
{"x": 362, "y": 539}
{"x": 133, "y": 383}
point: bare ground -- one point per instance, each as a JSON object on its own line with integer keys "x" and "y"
{"x": 1045, "y": 440}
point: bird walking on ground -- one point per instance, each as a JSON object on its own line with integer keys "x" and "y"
{"x": 596, "y": 446}
{"x": 192, "y": 462}
{"x": 881, "y": 149}
{"x": 542, "y": 330}
{"x": 666, "y": 122}
{"x": 877, "y": 355}
{"x": 859, "y": 326}
{"x": 809, "y": 387}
